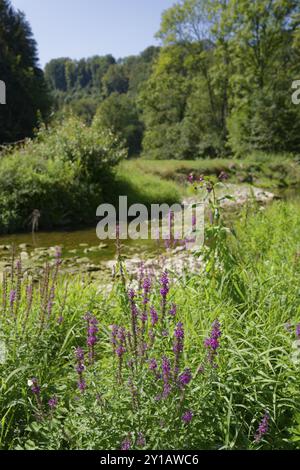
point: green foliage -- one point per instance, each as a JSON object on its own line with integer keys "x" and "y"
{"x": 119, "y": 114}
{"x": 27, "y": 96}
{"x": 223, "y": 79}
{"x": 256, "y": 367}
{"x": 61, "y": 173}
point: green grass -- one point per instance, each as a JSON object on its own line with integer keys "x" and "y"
{"x": 254, "y": 296}
{"x": 264, "y": 170}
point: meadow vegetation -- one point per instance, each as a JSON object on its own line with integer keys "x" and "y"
{"x": 208, "y": 362}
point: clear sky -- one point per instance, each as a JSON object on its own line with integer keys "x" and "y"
{"x": 82, "y": 28}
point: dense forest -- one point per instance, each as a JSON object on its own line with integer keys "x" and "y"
{"x": 220, "y": 83}
{"x": 28, "y": 98}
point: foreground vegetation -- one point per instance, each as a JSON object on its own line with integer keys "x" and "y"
{"x": 210, "y": 363}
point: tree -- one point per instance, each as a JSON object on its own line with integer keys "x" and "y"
{"x": 119, "y": 114}
{"x": 27, "y": 96}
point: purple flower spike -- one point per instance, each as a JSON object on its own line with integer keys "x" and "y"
{"x": 164, "y": 281}
{"x": 53, "y": 402}
{"x": 12, "y": 297}
{"x": 185, "y": 377}
{"x": 152, "y": 364}
{"x": 146, "y": 290}
{"x": 212, "y": 343}
{"x": 35, "y": 388}
{"x": 126, "y": 444}
{"x": 154, "y": 316}
{"x": 262, "y": 428}
{"x": 187, "y": 417}
{"x": 141, "y": 441}
{"x": 298, "y": 331}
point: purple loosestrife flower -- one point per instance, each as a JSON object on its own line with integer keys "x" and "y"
{"x": 53, "y": 402}
{"x": 92, "y": 330}
{"x": 166, "y": 373}
{"x": 298, "y": 331}
{"x": 79, "y": 355}
{"x": 153, "y": 364}
{"x": 146, "y": 290}
{"x": 164, "y": 282}
{"x": 141, "y": 441}
{"x": 212, "y": 343}
{"x": 187, "y": 417}
{"x": 35, "y": 388}
{"x": 12, "y": 297}
{"x": 191, "y": 178}
{"x": 126, "y": 444}
{"x": 120, "y": 349}
{"x": 154, "y": 316}
{"x": 262, "y": 428}
{"x": 173, "y": 310}
{"x": 223, "y": 176}
{"x": 185, "y": 377}
{"x": 178, "y": 345}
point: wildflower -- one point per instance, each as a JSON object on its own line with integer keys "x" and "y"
{"x": 164, "y": 281}
{"x": 185, "y": 377}
{"x": 126, "y": 444}
{"x": 92, "y": 330}
{"x": 191, "y": 178}
{"x": 187, "y": 417}
{"x": 12, "y": 297}
{"x": 146, "y": 290}
{"x": 154, "y": 316}
{"x": 298, "y": 331}
{"x": 223, "y": 176}
{"x": 166, "y": 372}
{"x": 262, "y": 428}
{"x": 79, "y": 355}
{"x": 34, "y": 386}
{"x": 120, "y": 349}
{"x": 152, "y": 364}
{"x": 178, "y": 345}
{"x": 141, "y": 441}
{"x": 212, "y": 343}
{"x": 53, "y": 402}
{"x": 173, "y": 310}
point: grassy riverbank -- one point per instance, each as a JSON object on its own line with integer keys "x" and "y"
{"x": 160, "y": 390}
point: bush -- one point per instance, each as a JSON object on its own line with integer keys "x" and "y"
{"x": 61, "y": 173}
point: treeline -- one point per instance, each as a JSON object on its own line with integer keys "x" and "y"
{"x": 221, "y": 82}
{"x": 28, "y": 101}
{"x": 104, "y": 86}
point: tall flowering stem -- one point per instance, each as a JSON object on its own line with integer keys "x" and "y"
{"x": 212, "y": 343}
{"x": 166, "y": 375}
{"x": 80, "y": 367}
{"x": 92, "y": 330}
{"x": 36, "y": 390}
{"x": 262, "y": 428}
{"x": 121, "y": 350}
{"x": 178, "y": 346}
{"x": 134, "y": 316}
{"x": 164, "y": 282}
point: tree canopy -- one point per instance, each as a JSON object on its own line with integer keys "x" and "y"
{"x": 27, "y": 96}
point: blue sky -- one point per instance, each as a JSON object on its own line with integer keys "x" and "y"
{"x": 82, "y": 28}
